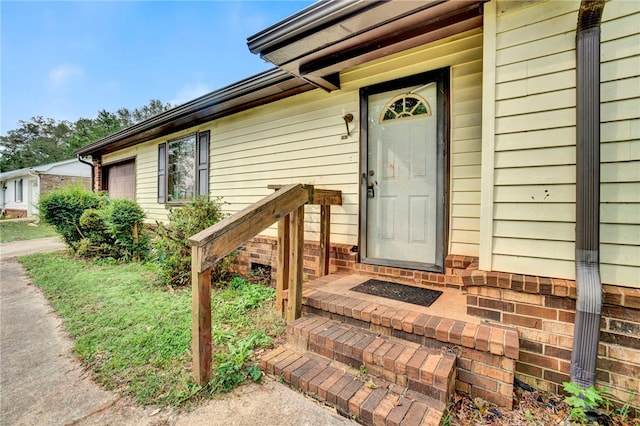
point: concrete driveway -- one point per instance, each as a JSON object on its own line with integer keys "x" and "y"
{"x": 41, "y": 383}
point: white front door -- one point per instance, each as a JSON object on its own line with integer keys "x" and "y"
{"x": 402, "y": 178}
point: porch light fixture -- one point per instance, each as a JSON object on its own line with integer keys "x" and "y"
{"x": 348, "y": 118}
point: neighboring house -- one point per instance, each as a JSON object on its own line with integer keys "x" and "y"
{"x": 21, "y": 189}
{"x": 474, "y": 144}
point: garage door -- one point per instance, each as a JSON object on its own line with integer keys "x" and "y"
{"x": 121, "y": 180}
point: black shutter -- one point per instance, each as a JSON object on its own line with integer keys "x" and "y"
{"x": 202, "y": 163}
{"x": 162, "y": 173}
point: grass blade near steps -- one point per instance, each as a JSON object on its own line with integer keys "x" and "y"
{"x": 135, "y": 336}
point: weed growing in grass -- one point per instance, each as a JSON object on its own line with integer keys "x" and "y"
{"x": 135, "y": 335}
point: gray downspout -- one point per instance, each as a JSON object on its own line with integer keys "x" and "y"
{"x": 588, "y": 285}
{"x": 93, "y": 173}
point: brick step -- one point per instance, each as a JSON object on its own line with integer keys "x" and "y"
{"x": 428, "y": 330}
{"x": 398, "y": 361}
{"x": 486, "y": 352}
{"x": 371, "y": 401}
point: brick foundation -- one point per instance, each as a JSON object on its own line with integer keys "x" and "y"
{"x": 262, "y": 250}
{"x": 97, "y": 174}
{"x": 543, "y": 309}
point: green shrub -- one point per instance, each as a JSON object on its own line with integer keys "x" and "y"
{"x": 63, "y": 208}
{"x": 96, "y": 241}
{"x": 124, "y": 223}
{"x": 94, "y": 226}
{"x": 172, "y": 248}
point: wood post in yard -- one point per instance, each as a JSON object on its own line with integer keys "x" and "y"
{"x": 282, "y": 273}
{"x": 200, "y": 318}
{"x": 296, "y": 250}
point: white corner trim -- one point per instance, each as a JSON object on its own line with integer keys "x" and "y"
{"x": 488, "y": 135}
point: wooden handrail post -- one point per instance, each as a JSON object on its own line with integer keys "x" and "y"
{"x": 200, "y": 318}
{"x": 296, "y": 250}
{"x": 220, "y": 239}
{"x": 285, "y": 206}
{"x": 325, "y": 238}
{"x": 282, "y": 273}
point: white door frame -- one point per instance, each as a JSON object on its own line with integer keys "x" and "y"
{"x": 441, "y": 78}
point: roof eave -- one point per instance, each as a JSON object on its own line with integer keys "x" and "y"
{"x": 39, "y": 169}
{"x": 309, "y": 19}
{"x": 330, "y": 36}
{"x": 256, "y": 90}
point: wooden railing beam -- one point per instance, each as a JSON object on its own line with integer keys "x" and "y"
{"x": 320, "y": 196}
{"x": 220, "y": 239}
{"x": 285, "y": 206}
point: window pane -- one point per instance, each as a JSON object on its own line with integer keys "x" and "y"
{"x": 181, "y": 169}
{"x": 405, "y": 106}
{"x": 18, "y": 191}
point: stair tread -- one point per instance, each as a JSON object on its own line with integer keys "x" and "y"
{"x": 371, "y": 400}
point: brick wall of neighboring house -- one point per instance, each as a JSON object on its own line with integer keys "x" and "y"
{"x": 50, "y": 182}
{"x": 542, "y": 309}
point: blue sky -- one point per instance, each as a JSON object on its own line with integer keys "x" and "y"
{"x": 67, "y": 60}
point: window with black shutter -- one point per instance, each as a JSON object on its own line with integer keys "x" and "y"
{"x": 183, "y": 168}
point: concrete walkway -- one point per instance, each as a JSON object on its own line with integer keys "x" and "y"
{"x": 41, "y": 383}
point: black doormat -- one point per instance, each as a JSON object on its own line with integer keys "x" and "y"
{"x": 403, "y": 293}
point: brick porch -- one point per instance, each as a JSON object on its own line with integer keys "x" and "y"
{"x": 404, "y": 347}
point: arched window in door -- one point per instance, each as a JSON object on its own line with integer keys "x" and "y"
{"x": 405, "y": 106}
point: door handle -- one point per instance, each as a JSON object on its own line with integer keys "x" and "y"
{"x": 371, "y": 192}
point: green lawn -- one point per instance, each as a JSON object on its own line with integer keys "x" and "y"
{"x": 19, "y": 231}
{"x": 135, "y": 336}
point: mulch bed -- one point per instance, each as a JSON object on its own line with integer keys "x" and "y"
{"x": 531, "y": 407}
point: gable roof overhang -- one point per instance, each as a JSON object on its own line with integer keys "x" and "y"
{"x": 254, "y": 91}
{"x": 40, "y": 169}
{"x": 331, "y": 35}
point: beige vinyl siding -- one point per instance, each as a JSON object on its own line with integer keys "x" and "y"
{"x": 534, "y": 160}
{"x": 300, "y": 140}
{"x": 295, "y": 140}
{"x": 534, "y": 176}
{"x": 620, "y": 148}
